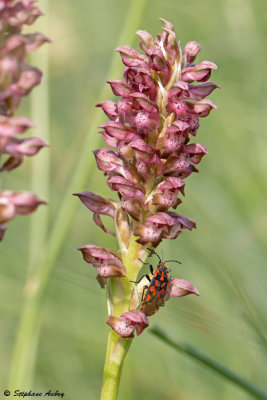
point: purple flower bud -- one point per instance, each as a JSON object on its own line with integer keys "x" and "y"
{"x": 128, "y": 322}
{"x": 168, "y": 38}
{"x": 191, "y": 50}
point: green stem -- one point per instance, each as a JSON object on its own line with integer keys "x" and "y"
{"x": 27, "y": 334}
{"x": 117, "y": 348}
{"x": 120, "y": 293}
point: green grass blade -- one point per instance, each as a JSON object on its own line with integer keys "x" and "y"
{"x": 41, "y": 163}
{"x": 205, "y": 360}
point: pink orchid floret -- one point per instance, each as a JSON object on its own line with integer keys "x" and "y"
{"x": 179, "y": 288}
{"x": 99, "y": 206}
{"x": 166, "y": 225}
{"x": 107, "y": 261}
{"x": 128, "y": 322}
{"x": 161, "y": 100}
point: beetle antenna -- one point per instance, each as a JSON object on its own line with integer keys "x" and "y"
{"x": 153, "y": 252}
{"x": 172, "y": 261}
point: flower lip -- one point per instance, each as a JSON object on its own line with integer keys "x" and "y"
{"x": 128, "y": 322}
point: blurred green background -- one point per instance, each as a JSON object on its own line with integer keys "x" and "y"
{"x": 225, "y": 258}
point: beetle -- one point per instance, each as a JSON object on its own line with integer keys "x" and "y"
{"x": 153, "y": 294}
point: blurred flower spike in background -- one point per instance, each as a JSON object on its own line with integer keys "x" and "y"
{"x": 149, "y": 131}
{"x": 17, "y": 79}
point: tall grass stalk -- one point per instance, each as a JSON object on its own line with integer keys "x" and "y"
{"x": 40, "y": 164}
